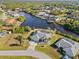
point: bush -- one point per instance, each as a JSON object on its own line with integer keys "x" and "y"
{"x": 21, "y": 18}
{"x": 18, "y": 30}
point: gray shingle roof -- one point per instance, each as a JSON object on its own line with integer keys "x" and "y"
{"x": 40, "y": 36}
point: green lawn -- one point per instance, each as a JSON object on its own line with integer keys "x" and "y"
{"x": 12, "y": 48}
{"x": 17, "y": 57}
{"x": 50, "y": 51}
{"x": 54, "y": 38}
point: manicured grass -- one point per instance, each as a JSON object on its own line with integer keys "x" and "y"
{"x": 54, "y": 38}
{"x": 12, "y": 48}
{"x": 50, "y": 51}
{"x": 17, "y": 57}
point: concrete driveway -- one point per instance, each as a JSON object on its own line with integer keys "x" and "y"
{"x": 32, "y": 45}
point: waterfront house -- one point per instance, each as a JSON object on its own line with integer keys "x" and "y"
{"x": 48, "y": 11}
{"x": 68, "y": 47}
{"x": 16, "y": 15}
{"x": 13, "y": 14}
{"x": 51, "y": 19}
{"x": 40, "y": 36}
{"x": 19, "y": 9}
{"x": 41, "y": 13}
{"x": 10, "y": 21}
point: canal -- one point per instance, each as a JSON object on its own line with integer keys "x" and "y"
{"x": 35, "y": 22}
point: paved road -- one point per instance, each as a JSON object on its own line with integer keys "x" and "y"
{"x": 32, "y": 53}
{"x": 29, "y": 52}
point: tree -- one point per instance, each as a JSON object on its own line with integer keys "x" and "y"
{"x": 21, "y": 30}
{"x": 68, "y": 26}
{"x": 27, "y": 28}
{"x": 18, "y": 29}
{"x": 21, "y": 18}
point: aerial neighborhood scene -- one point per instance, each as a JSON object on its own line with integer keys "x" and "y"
{"x": 39, "y": 29}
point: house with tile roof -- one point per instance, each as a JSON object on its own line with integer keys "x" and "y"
{"x": 10, "y": 21}
{"x": 70, "y": 47}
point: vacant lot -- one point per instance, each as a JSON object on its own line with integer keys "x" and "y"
{"x": 9, "y": 39}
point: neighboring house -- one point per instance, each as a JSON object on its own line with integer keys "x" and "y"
{"x": 16, "y": 15}
{"x": 13, "y": 13}
{"x": 48, "y": 11}
{"x": 10, "y": 21}
{"x": 41, "y": 13}
{"x": 52, "y": 18}
{"x": 39, "y": 36}
{"x": 18, "y": 9}
{"x": 60, "y": 19}
{"x": 69, "y": 47}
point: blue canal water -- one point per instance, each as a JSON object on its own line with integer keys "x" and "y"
{"x": 34, "y": 21}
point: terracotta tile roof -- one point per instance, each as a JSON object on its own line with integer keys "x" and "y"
{"x": 11, "y": 21}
